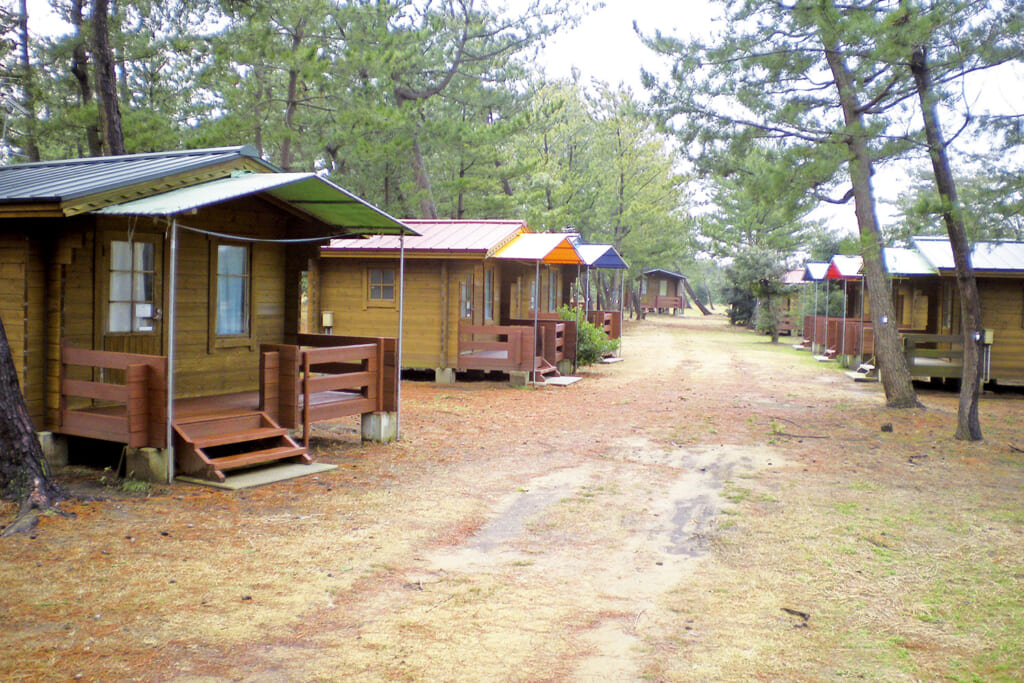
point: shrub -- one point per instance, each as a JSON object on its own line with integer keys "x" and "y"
{"x": 591, "y": 343}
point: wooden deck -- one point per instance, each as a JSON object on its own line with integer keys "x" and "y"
{"x": 122, "y": 397}
{"x": 513, "y": 347}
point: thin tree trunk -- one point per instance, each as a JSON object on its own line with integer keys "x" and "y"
{"x": 80, "y": 70}
{"x": 895, "y": 374}
{"x": 428, "y": 209}
{"x": 29, "y": 143}
{"x": 23, "y": 476}
{"x": 106, "y": 80}
{"x": 968, "y": 425}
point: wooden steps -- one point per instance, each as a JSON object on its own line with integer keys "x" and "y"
{"x": 542, "y": 368}
{"x": 210, "y": 445}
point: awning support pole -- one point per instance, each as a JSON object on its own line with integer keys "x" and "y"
{"x": 172, "y": 300}
{"x": 401, "y": 324}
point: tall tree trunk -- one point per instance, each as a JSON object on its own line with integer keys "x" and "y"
{"x": 23, "y": 475}
{"x": 80, "y": 70}
{"x": 106, "y": 79}
{"x": 895, "y": 374}
{"x": 29, "y": 144}
{"x": 428, "y": 210}
{"x": 291, "y": 105}
{"x": 968, "y": 425}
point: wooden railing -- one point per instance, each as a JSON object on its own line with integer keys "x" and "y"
{"x": 337, "y": 377}
{"x": 504, "y": 348}
{"x": 133, "y": 411}
{"x": 655, "y": 302}
{"x": 609, "y": 322}
{"x": 556, "y": 338}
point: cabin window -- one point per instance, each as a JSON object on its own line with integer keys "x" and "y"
{"x": 552, "y": 290}
{"x": 662, "y": 287}
{"x": 132, "y": 285}
{"x": 382, "y": 284}
{"x": 489, "y": 294}
{"x": 466, "y": 298}
{"x": 232, "y": 289}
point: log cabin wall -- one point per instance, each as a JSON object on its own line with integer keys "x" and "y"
{"x": 1002, "y": 306}
{"x": 344, "y": 290}
{"x": 13, "y": 299}
{"x": 209, "y": 364}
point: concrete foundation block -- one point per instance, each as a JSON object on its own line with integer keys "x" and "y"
{"x": 518, "y": 378}
{"x": 55, "y": 448}
{"x": 148, "y": 464}
{"x": 444, "y": 375}
{"x": 380, "y": 427}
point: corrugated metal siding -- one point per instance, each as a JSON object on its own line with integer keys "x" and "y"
{"x": 73, "y": 178}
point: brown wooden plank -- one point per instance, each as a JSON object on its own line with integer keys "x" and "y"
{"x": 99, "y": 391}
{"x": 353, "y": 380}
{"x": 94, "y": 426}
{"x": 338, "y": 409}
{"x": 340, "y": 354}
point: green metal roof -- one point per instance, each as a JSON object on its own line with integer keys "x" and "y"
{"x": 308, "y": 192}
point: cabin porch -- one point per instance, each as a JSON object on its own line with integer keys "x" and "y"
{"x": 122, "y": 397}
{"x": 514, "y": 349}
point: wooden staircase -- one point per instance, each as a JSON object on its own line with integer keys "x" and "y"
{"x": 209, "y": 445}
{"x": 542, "y": 368}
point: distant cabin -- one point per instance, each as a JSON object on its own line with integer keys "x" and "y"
{"x": 470, "y": 295}
{"x": 926, "y": 303}
{"x": 86, "y": 297}
{"x": 662, "y": 291}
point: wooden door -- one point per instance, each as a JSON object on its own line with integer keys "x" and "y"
{"x": 129, "y": 293}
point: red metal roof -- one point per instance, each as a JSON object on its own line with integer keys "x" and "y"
{"x": 445, "y": 236}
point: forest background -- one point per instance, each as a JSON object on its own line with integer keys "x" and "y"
{"x": 444, "y": 109}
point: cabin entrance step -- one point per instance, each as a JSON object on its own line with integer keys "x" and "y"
{"x": 209, "y": 446}
{"x": 542, "y": 368}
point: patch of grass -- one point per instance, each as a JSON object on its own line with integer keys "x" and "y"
{"x": 735, "y": 494}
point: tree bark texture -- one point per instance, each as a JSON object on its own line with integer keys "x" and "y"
{"x": 895, "y": 374}
{"x": 968, "y": 424}
{"x": 428, "y": 210}
{"x": 23, "y": 474}
{"x": 106, "y": 79}
{"x": 30, "y": 144}
{"x": 80, "y": 70}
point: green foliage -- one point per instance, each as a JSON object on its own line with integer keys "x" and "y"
{"x": 592, "y": 344}
{"x": 755, "y": 280}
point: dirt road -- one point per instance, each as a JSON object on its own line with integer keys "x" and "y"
{"x": 653, "y": 521}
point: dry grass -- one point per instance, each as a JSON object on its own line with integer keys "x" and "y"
{"x": 650, "y": 522}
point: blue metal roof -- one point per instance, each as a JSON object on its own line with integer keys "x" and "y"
{"x": 69, "y": 179}
{"x": 600, "y": 256}
{"x": 666, "y": 273}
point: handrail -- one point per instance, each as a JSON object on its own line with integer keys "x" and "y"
{"x": 133, "y": 412}
{"x": 359, "y": 375}
{"x": 505, "y": 348}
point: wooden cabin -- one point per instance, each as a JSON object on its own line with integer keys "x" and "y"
{"x": 662, "y": 291}
{"x": 149, "y": 300}
{"x": 927, "y": 309}
{"x": 934, "y": 300}
{"x": 602, "y": 257}
{"x": 469, "y": 295}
